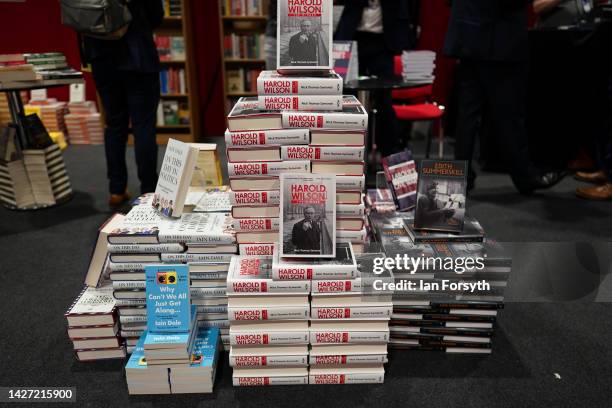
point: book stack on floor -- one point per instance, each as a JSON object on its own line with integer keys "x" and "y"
{"x": 457, "y": 291}
{"x": 51, "y": 112}
{"x": 175, "y": 354}
{"x": 84, "y": 123}
{"x": 201, "y": 240}
{"x": 92, "y": 325}
{"x": 5, "y": 112}
{"x": 15, "y": 188}
{"x": 47, "y": 174}
{"x": 349, "y": 327}
{"x": 268, "y": 324}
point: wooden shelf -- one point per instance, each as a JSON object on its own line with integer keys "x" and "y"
{"x": 244, "y": 61}
{"x": 245, "y": 18}
{"x": 173, "y": 95}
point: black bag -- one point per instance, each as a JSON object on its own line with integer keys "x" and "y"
{"x": 104, "y": 19}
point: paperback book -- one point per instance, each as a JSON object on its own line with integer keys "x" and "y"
{"x": 300, "y": 102}
{"x": 343, "y": 266}
{"x": 267, "y": 137}
{"x": 348, "y": 153}
{"x": 441, "y": 195}
{"x": 273, "y": 83}
{"x": 472, "y": 232}
{"x": 401, "y": 176}
{"x": 308, "y": 211}
{"x": 304, "y": 33}
{"x": 168, "y": 296}
{"x": 254, "y": 275}
{"x": 351, "y": 117}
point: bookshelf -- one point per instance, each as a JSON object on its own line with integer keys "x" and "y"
{"x": 242, "y": 24}
{"x": 183, "y": 94}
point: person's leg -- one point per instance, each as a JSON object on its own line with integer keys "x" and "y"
{"x": 505, "y": 86}
{"x": 110, "y": 87}
{"x": 469, "y": 112}
{"x": 143, "y": 98}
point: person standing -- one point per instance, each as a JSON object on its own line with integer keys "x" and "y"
{"x": 490, "y": 40}
{"x": 382, "y": 29}
{"x": 126, "y": 74}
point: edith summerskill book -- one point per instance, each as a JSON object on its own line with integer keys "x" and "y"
{"x": 441, "y": 195}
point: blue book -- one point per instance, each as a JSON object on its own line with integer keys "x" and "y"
{"x": 168, "y": 308}
{"x": 206, "y": 347}
{"x": 137, "y": 360}
{"x": 174, "y": 340}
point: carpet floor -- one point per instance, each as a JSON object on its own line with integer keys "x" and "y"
{"x": 547, "y": 353}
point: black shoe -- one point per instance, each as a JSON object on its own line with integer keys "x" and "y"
{"x": 539, "y": 181}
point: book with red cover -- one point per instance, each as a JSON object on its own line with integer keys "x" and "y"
{"x": 401, "y": 175}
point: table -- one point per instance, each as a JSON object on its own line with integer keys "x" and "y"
{"x": 13, "y": 97}
{"x": 369, "y": 89}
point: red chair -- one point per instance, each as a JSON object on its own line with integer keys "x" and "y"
{"x": 413, "y": 95}
{"x": 414, "y": 105}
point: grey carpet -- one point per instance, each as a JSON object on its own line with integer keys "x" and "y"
{"x": 44, "y": 255}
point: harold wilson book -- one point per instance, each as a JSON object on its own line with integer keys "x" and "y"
{"x": 308, "y": 212}
{"x": 167, "y": 290}
{"x": 269, "y": 333}
{"x": 441, "y": 195}
{"x": 273, "y": 168}
{"x": 304, "y": 32}
{"x": 174, "y": 178}
{"x": 253, "y": 275}
{"x": 267, "y": 137}
{"x": 300, "y": 102}
{"x": 349, "y": 153}
{"x": 273, "y": 83}
{"x": 343, "y": 266}
{"x": 255, "y": 197}
{"x": 351, "y": 117}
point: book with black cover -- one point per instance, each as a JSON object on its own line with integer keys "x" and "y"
{"x": 472, "y": 232}
{"x": 37, "y": 136}
{"x": 441, "y": 195}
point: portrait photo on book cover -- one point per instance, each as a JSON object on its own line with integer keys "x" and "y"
{"x": 308, "y": 205}
{"x": 303, "y": 35}
{"x": 440, "y": 204}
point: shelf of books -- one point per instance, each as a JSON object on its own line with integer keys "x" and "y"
{"x": 177, "y": 112}
{"x": 242, "y": 25}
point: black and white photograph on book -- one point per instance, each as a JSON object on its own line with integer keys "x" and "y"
{"x": 256, "y": 203}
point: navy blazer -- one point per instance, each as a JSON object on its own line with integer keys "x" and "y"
{"x": 136, "y": 50}
{"x": 489, "y": 30}
{"x": 396, "y": 22}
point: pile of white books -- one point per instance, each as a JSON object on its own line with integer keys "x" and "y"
{"x": 418, "y": 66}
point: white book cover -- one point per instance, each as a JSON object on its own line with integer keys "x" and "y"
{"x": 304, "y": 35}
{"x": 348, "y": 332}
{"x": 273, "y": 83}
{"x": 265, "y": 197}
{"x": 256, "y": 249}
{"x": 359, "y": 374}
{"x": 262, "y": 376}
{"x": 246, "y": 116}
{"x": 350, "y": 210}
{"x": 145, "y": 248}
{"x": 268, "y": 308}
{"x": 266, "y": 356}
{"x": 351, "y": 236}
{"x": 347, "y": 153}
{"x": 351, "y": 117}
{"x": 343, "y": 266}
{"x": 267, "y": 137}
{"x": 350, "y": 182}
{"x": 174, "y": 178}
{"x": 255, "y": 224}
{"x": 249, "y": 275}
{"x": 91, "y": 301}
{"x": 205, "y": 228}
{"x": 300, "y": 102}
{"x": 337, "y": 286}
{"x": 268, "y": 168}
{"x": 308, "y": 211}
{"x": 269, "y": 333}
{"x": 195, "y": 257}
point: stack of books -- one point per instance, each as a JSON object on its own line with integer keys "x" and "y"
{"x": 349, "y": 327}
{"x": 5, "y": 113}
{"x": 418, "y": 66}
{"x": 84, "y": 123}
{"x": 265, "y": 143}
{"x": 171, "y": 347}
{"x": 92, "y": 325}
{"x": 47, "y": 174}
{"x": 268, "y": 324}
{"x": 51, "y": 113}
{"x": 15, "y": 68}
{"x": 15, "y": 188}
{"x": 203, "y": 241}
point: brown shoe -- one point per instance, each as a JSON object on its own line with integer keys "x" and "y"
{"x": 596, "y": 177}
{"x": 116, "y": 200}
{"x": 603, "y": 192}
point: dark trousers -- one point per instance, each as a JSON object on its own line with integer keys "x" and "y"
{"x": 129, "y": 96}
{"x": 604, "y": 145}
{"x": 498, "y": 88}
{"x": 376, "y": 59}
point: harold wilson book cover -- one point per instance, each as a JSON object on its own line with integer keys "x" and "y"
{"x": 167, "y": 290}
{"x": 308, "y": 211}
{"x": 304, "y": 35}
{"x": 441, "y": 195}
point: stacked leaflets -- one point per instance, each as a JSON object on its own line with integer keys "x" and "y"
{"x": 418, "y": 66}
